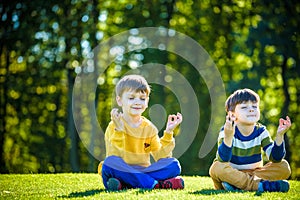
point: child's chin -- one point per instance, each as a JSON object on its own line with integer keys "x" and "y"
{"x": 137, "y": 112}
{"x": 253, "y": 122}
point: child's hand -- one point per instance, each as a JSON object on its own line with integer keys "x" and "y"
{"x": 173, "y": 122}
{"x": 284, "y": 126}
{"x": 229, "y": 126}
{"x": 116, "y": 118}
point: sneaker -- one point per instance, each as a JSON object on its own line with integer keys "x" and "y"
{"x": 113, "y": 184}
{"x": 229, "y": 187}
{"x": 274, "y": 186}
{"x": 172, "y": 183}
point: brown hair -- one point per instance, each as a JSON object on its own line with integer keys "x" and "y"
{"x": 240, "y": 96}
{"x": 136, "y": 83}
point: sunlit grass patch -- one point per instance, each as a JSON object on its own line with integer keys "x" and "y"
{"x": 89, "y": 186}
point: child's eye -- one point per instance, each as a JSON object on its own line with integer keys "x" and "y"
{"x": 243, "y": 107}
{"x": 131, "y": 98}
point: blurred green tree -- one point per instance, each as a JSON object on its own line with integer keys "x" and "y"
{"x": 254, "y": 44}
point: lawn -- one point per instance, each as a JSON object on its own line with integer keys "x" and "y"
{"x": 89, "y": 186}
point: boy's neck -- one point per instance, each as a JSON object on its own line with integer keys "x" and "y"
{"x": 133, "y": 121}
{"x": 245, "y": 130}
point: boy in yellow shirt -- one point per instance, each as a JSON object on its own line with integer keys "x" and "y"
{"x": 130, "y": 139}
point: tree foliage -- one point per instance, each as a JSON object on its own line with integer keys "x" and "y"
{"x": 254, "y": 44}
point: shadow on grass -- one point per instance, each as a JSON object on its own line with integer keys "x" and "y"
{"x": 214, "y": 192}
{"x": 143, "y": 191}
{"x": 83, "y": 194}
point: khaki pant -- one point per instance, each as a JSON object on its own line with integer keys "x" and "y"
{"x": 248, "y": 179}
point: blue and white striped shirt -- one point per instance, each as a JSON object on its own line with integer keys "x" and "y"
{"x": 246, "y": 151}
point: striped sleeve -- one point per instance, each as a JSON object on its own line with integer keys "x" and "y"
{"x": 277, "y": 153}
{"x": 224, "y": 152}
{"x": 266, "y": 142}
{"x": 273, "y": 152}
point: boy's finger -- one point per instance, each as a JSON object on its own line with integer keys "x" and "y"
{"x": 179, "y": 119}
{"x": 227, "y": 118}
{"x": 171, "y": 118}
{"x": 288, "y": 119}
{"x": 281, "y": 122}
{"x": 179, "y": 115}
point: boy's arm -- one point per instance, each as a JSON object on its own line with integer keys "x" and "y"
{"x": 224, "y": 152}
{"x": 225, "y": 139}
{"x": 278, "y": 150}
{"x": 114, "y": 141}
{"x": 163, "y": 147}
{"x": 229, "y": 129}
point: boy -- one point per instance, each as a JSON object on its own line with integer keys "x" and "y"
{"x": 239, "y": 164}
{"x": 130, "y": 138}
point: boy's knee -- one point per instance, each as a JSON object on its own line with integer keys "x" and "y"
{"x": 172, "y": 164}
{"x": 112, "y": 162}
{"x": 217, "y": 167}
{"x": 100, "y": 168}
{"x": 212, "y": 169}
{"x": 176, "y": 165}
{"x": 286, "y": 169}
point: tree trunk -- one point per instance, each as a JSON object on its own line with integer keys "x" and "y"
{"x": 286, "y": 104}
{"x": 3, "y": 113}
{"x": 71, "y": 126}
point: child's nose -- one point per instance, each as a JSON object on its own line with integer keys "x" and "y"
{"x": 136, "y": 101}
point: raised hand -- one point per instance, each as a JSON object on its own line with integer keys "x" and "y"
{"x": 116, "y": 118}
{"x": 229, "y": 128}
{"x": 229, "y": 125}
{"x": 173, "y": 122}
{"x": 284, "y": 126}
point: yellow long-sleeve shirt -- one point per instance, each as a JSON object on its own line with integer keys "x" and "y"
{"x": 135, "y": 145}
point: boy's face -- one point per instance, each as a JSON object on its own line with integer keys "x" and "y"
{"x": 247, "y": 113}
{"x": 133, "y": 103}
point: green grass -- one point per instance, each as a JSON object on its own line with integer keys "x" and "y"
{"x": 89, "y": 186}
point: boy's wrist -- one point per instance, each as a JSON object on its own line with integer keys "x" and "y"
{"x": 168, "y": 131}
{"x": 279, "y": 139}
{"x": 119, "y": 130}
{"x": 228, "y": 140}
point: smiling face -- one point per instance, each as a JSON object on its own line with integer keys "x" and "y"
{"x": 247, "y": 113}
{"x": 133, "y": 103}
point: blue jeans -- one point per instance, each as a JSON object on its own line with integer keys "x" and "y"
{"x": 135, "y": 176}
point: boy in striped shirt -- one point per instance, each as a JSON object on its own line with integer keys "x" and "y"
{"x": 130, "y": 139}
{"x": 239, "y": 164}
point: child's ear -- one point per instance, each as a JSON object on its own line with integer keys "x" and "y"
{"x": 119, "y": 102}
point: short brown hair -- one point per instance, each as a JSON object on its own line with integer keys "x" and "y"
{"x": 240, "y": 96}
{"x": 136, "y": 83}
